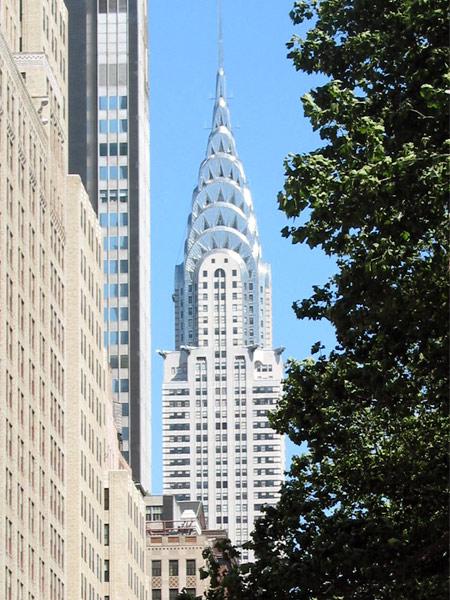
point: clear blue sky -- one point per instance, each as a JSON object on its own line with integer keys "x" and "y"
{"x": 268, "y": 119}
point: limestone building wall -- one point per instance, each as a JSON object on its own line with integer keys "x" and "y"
{"x": 175, "y": 562}
{"x": 32, "y": 337}
{"x": 56, "y": 420}
{"x": 125, "y": 567}
{"x": 87, "y": 398}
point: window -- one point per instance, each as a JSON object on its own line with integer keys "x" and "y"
{"x": 190, "y": 566}
{"x": 124, "y": 266}
{"x": 106, "y": 534}
{"x": 106, "y": 570}
{"x": 113, "y": 264}
{"x": 113, "y": 219}
{"x": 156, "y": 568}
{"x": 154, "y": 513}
{"x": 173, "y": 593}
{"x": 156, "y": 594}
{"x": 111, "y": 291}
{"x": 173, "y": 568}
{"x": 115, "y": 126}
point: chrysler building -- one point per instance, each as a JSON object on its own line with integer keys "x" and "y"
{"x": 224, "y": 376}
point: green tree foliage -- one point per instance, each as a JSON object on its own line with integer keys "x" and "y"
{"x": 363, "y": 513}
{"x": 224, "y": 572}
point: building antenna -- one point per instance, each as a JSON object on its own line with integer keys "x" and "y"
{"x": 219, "y": 33}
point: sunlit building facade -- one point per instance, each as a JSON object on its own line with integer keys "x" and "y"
{"x": 109, "y": 148}
{"x": 224, "y": 376}
{"x": 33, "y": 151}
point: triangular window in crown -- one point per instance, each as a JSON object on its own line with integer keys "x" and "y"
{"x": 220, "y": 221}
{"x": 220, "y": 197}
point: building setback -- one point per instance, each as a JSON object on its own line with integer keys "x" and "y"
{"x": 104, "y": 534}
{"x": 224, "y": 376}
{"x": 109, "y": 149}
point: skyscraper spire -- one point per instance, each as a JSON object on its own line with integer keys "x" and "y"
{"x": 222, "y": 216}
{"x": 219, "y": 34}
{"x": 224, "y": 375}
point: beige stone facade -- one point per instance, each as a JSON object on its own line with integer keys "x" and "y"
{"x": 176, "y": 539}
{"x": 86, "y": 398}
{"x": 175, "y": 561}
{"x": 56, "y": 421}
{"x": 33, "y": 550}
{"x": 126, "y": 576}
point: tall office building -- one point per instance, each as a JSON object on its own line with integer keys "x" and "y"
{"x": 109, "y": 148}
{"x": 33, "y": 140}
{"x": 224, "y": 376}
{"x": 60, "y": 455}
